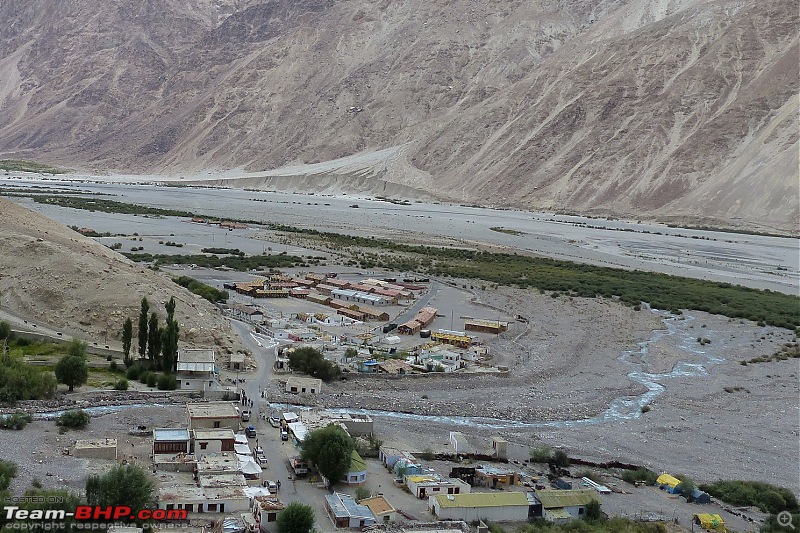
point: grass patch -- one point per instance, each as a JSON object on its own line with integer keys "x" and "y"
{"x": 661, "y": 291}
{"x": 640, "y": 475}
{"x": 20, "y": 165}
{"x": 768, "y": 498}
{"x": 507, "y": 231}
{"x": 208, "y": 292}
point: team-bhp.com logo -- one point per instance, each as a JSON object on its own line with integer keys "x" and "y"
{"x": 94, "y": 513}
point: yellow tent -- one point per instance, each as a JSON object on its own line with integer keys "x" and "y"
{"x": 670, "y": 481}
{"x": 710, "y": 522}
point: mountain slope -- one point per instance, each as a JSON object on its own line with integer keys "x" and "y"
{"x": 56, "y": 276}
{"x": 654, "y": 108}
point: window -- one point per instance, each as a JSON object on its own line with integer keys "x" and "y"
{"x": 203, "y": 445}
{"x": 272, "y": 517}
{"x": 212, "y": 507}
{"x": 187, "y": 383}
{"x": 216, "y": 424}
{"x": 304, "y": 389}
{"x": 353, "y": 478}
{"x": 581, "y": 510}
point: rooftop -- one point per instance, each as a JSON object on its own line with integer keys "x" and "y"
{"x": 565, "y": 498}
{"x": 378, "y": 505}
{"x": 214, "y": 434}
{"x": 344, "y": 506}
{"x": 195, "y": 355}
{"x": 222, "y": 480}
{"x": 212, "y": 410}
{"x": 482, "y": 499}
{"x": 218, "y": 462}
{"x": 95, "y": 443}
{"x": 167, "y": 434}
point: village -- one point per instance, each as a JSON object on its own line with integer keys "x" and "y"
{"x": 235, "y": 456}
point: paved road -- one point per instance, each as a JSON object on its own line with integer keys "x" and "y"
{"x": 276, "y": 451}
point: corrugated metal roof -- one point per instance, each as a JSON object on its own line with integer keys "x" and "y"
{"x": 565, "y": 498}
{"x": 166, "y": 434}
{"x": 482, "y": 499}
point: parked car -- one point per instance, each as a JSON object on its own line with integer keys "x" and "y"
{"x": 259, "y": 451}
{"x": 274, "y": 422}
{"x": 284, "y": 434}
{"x": 250, "y": 432}
{"x": 262, "y": 460}
{"x": 245, "y": 416}
{"x": 271, "y": 486}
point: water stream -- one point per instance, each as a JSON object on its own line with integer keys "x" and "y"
{"x": 624, "y": 408}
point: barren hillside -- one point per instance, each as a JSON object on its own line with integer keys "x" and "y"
{"x": 671, "y": 109}
{"x": 53, "y": 275}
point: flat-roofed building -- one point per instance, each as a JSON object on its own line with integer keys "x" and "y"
{"x": 213, "y": 415}
{"x": 169, "y": 441}
{"x": 208, "y": 441}
{"x": 345, "y": 512}
{"x": 422, "y": 486}
{"x": 96, "y": 448}
{"x": 381, "y": 508}
{"x": 303, "y": 385}
{"x": 196, "y": 370}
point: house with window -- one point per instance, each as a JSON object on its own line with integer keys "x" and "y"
{"x": 170, "y": 441}
{"x": 424, "y": 485}
{"x": 196, "y": 370}
{"x": 213, "y": 415}
{"x": 303, "y": 385}
{"x": 381, "y": 508}
{"x": 208, "y": 441}
{"x": 357, "y": 474}
{"x": 265, "y": 511}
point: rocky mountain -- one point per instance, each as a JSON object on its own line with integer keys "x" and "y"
{"x": 681, "y": 110}
{"x": 55, "y": 276}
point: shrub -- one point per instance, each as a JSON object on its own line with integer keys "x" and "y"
{"x": 133, "y": 372}
{"x": 542, "y": 454}
{"x": 645, "y": 409}
{"x": 560, "y": 458}
{"x": 643, "y": 475}
{"x": 121, "y": 384}
{"x": 769, "y": 498}
{"x": 427, "y": 455}
{"x": 77, "y": 419}
{"x": 16, "y": 420}
{"x": 167, "y": 382}
{"x": 152, "y": 379}
{"x": 113, "y": 366}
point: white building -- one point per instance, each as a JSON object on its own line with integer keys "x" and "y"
{"x": 358, "y": 297}
{"x": 424, "y": 485}
{"x": 562, "y": 506}
{"x": 196, "y": 370}
{"x": 486, "y": 506}
{"x": 345, "y": 512}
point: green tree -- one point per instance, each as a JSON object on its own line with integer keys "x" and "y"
{"x": 541, "y": 454}
{"x": 687, "y": 485}
{"x": 330, "y": 450}
{"x": 127, "y": 338}
{"x": 169, "y": 339}
{"x": 72, "y": 371}
{"x": 593, "y": 510}
{"x": 296, "y": 518}
{"x": 560, "y": 458}
{"x": 143, "y": 328}
{"x": 312, "y": 362}
{"x": 5, "y": 336}
{"x": 77, "y": 348}
{"x": 154, "y": 341}
{"x": 122, "y": 485}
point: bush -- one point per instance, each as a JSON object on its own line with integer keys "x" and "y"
{"x": 167, "y": 382}
{"x": 77, "y": 419}
{"x": 768, "y": 498}
{"x": 645, "y": 409}
{"x": 16, "y": 420}
{"x": 542, "y": 454}
{"x": 133, "y": 372}
{"x": 427, "y": 455}
{"x": 121, "y": 384}
{"x": 560, "y": 458}
{"x": 152, "y": 379}
{"x": 642, "y": 475}
{"x": 113, "y": 366}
